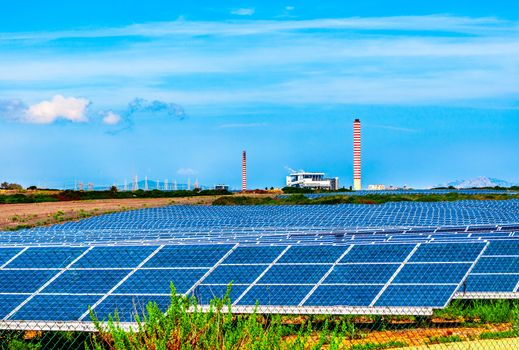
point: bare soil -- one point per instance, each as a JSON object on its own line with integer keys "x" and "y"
{"x": 40, "y": 214}
{"x": 13, "y": 216}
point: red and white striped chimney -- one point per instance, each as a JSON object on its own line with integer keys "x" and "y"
{"x": 356, "y": 156}
{"x": 244, "y": 171}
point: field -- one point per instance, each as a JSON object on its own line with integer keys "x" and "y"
{"x": 18, "y": 216}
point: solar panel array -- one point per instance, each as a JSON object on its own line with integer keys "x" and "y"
{"x": 270, "y": 223}
{"x": 338, "y": 259}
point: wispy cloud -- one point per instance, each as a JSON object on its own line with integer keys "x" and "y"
{"x": 484, "y": 25}
{"x": 243, "y": 11}
{"x": 379, "y": 60}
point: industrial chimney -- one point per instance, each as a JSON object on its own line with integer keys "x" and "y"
{"x": 356, "y": 156}
{"x": 244, "y": 171}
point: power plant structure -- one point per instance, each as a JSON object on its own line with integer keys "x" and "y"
{"x": 244, "y": 171}
{"x": 312, "y": 180}
{"x": 357, "y": 185}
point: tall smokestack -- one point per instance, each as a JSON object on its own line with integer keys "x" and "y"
{"x": 244, "y": 171}
{"x": 356, "y": 156}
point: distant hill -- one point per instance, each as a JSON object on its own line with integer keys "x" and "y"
{"x": 478, "y": 182}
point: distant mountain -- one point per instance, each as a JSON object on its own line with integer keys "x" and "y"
{"x": 481, "y": 181}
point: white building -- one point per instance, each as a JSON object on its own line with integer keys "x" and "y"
{"x": 312, "y": 181}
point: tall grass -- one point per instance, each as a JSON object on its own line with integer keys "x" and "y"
{"x": 185, "y": 325}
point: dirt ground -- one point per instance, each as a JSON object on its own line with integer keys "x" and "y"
{"x": 39, "y": 214}
{"x": 14, "y": 216}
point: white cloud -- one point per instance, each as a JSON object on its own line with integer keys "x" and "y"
{"x": 243, "y": 12}
{"x": 111, "y": 118}
{"x": 187, "y": 171}
{"x": 46, "y": 112}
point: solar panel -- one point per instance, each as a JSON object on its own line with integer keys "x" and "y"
{"x": 356, "y": 259}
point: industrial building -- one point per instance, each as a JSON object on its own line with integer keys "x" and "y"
{"x": 312, "y": 181}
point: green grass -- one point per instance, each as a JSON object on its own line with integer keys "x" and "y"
{"x": 499, "y": 335}
{"x": 89, "y": 195}
{"x": 379, "y": 346}
{"x": 185, "y": 326}
{"x": 445, "y": 339}
{"x": 481, "y": 311}
{"x": 300, "y": 199}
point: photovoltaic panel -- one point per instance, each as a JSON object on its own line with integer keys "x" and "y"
{"x": 44, "y": 307}
{"x": 23, "y": 281}
{"x": 506, "y": 247}
{"x": 254, "y": 255}
{"x": 294, "y": 274}
{"x": 46, "y": 257}
{"x": 184, "y": 246}
{"x": 333, "y": 295}
{"x": 432, "y": 273}
{"x": 7, "y": 253}
{"x": 434, "y": 296}
{"x": 86, "y": 281}
{"x": 115, "y": 257}
{"x": 447, "y": 252}
{"x": 278, "y": 295}
{"x": 159, "y": 281}
{"x": 9, "y": 301}
{"x": 383, "y": 253}
{"x": 497, "y": 265}
{"x": 490, "y": 284}
{"x": 188, "y": 256}
{"x": 314, "y": 254}
{"x": 241, "y": 274}
{"x": 362, "y": 273}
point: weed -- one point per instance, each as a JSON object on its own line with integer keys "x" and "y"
{"x": 445, "y": 339}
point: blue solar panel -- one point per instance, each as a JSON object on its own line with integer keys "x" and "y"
{"x": 435, "y": 296}
{"x": 115, "y": 257}
{"x": 296, "y": 274}
{"x": 447, "y": 252}
{"x": 432, "y": 273}
{"x": 242, "y": 274}
{"x": 46, "y": 257}
{"x": 490, "y": 283}
{"x": 497, "y": 265}
{"x": 86, "y": 281}
{"x": 314, "y": 254}
{"x": 158, "y": 281}
{"x": 188, "y": 256}
{"x": 254, "y": 255}
{"x": 373, "y": 240}
{"x": 362, "y": 273}
{"x": 330, "y": 295}
{"x": 7, "y": 253}
{"x": 23, "y": 281}
{"x": 9, "y": 302}
{"x": 44, "y": 307}
{"x": 508, "y": 247}
{"x": 275, "y": 295}
{"x": 378, "y": 253}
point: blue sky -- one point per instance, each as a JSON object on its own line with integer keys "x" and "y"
{"x": 101, "y": 91}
